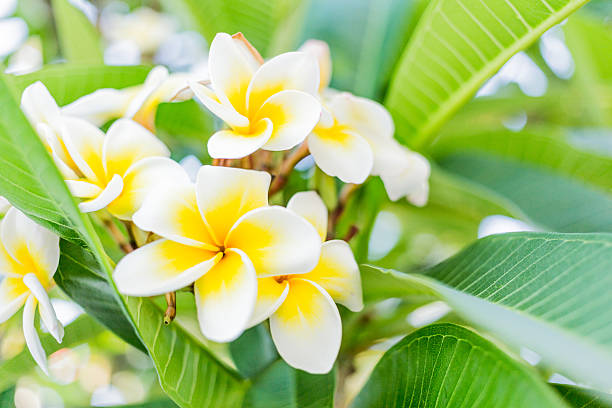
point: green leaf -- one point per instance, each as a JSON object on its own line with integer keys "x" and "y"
{"x": 456, "y": 46}
{"x": 77, "y": 332}
{"x": 253, "y": 351}
{"x": 547, "y": 292}
{"x": 67, "y": 82}
{"x": 263, "y": 22}
{"x": 280, "y": 386}
{"x": 7, "y": 398}
{"x": 553, "y": 202}
{"x": 445, "y": 365}
{"x": 583, "y": 397}
{"x": 79, "y": 39}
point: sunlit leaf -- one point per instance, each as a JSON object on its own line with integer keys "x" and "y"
{"x": 79, "y": 40}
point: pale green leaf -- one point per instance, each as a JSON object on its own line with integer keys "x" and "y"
{"x": 445, "y": 365}
{"x": 79, "y": 40}
{"x": 456, "y": 46}
{"x": 547, "y": 292}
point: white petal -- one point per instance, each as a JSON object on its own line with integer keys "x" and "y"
{"x": 225, "y": 297}
{"x": 38, "y": 105}
{"x": 172, "y": 212}
{"x": 143, "y": 177}
{"x": 341, "y": 153}
{"x": 155, "y": 79}
{"x": 84, "y": 143}
{"x": 4, "y": 205}
{"x": 419, "y": 195}
{"x": 270, "y": 295}
{"x": 292, "y": 70}
{"x": 47, "y": 313}
{"x": 225, "y": 194}
{"x": 160, "y": 267}
{"x": 31, "y": 335}
{"x": 12, "y": 297}
{"x": 59, "y": 153}
{"x": 366, "y": 117}
{"x": 13, "y": 31}
{"x": 277, "y": 241}
{"x": 307, "y": 329}
{"x": 128, "y": 142}
{"x": 320, "y": 50}
{"x": 229, "y": 144}
{"x": 30, "y": 244}
{"x": 338, "y": 273}
{"x": 225, "y": 112}
{"x": 293, "y": 114}
{"x": 83, "y": 189}
{"x": 403, "y": 172}
{"x": 108, "y": 195}
{"x": 100, "y": 106}
{"x": 231, "y": 66}
{"x": 310, "y": 206}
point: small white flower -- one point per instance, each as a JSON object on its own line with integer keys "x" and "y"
{"x": 29, "y": 256}
{"x": 304, "y": 320}
{"x": 13, "y": 30}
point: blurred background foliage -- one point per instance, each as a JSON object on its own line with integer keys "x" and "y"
{"x": 532, "y": 150}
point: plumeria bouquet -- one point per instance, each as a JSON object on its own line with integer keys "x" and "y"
{"x": 231, "y": 217}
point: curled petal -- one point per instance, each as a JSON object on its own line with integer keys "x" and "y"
{"x": 306, "y": 328}
{"x": 47, "y": 313}
{"x": 231, "y": 66}
{"x": 126, "y": 143}
{"x": 270, "y": 295}
{"x": 13, "y": 294}
{"x": 83, "y": 189}
{"x": 31, "y": 335}
{"x": 341, "y": 153}
{"x": 230, "y": 144}
{"x": 155, "y": 79}
{"x": 224, "y": 194}
{"x": 172, "y": 212}
{"x": 337, "y": 272}
{"x": 31, "y": 245}
{"x": 140, "y": 179}
{"x": 100, "y": 106}
{"x": 108, "y": 195}
{"x": 292, "y": 70}
{"x": 84, "y": 143}
{"x": 293, "y": 114}
{"x": 225, "y": 112}
{"x": 162, "y": 266}
{"x": 225, "y": 297}
{"x": 277, "y": 241}
{"x": 38, "y": 105}
{"x": 310, "y": 206}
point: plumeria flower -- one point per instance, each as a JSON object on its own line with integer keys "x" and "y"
{"x": 354, "y": 139}
{"x": 13, "y": 30}
{"x": 137, "y": 102}
{"x": 304, "y": 320}
{"x": 219, "y": 234}
{"x": 29, "y": 256}
{"x": 270, "y": 106}
{"x": 4, "y": 206}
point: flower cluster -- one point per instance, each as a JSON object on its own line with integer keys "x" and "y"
{"x": 246, "y": 261}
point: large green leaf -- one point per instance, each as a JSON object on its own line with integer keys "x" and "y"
{"x": 553, "y": 202}
{"x": 547, "y": 292}
{"x": 456, "y": 46}
{"x": 79, "y": 39}
{"x": 583, "y": 397}
{"x": 67, "y": 82}
{"x": 265, "y": 23}
{"x": 77, "y": 332}
{"x": 7, "y": 398}
{"x": 445, "y": 365}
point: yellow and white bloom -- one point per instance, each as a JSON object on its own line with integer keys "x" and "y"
{"x": 304, "y": 320}
{"x": 137, "y": 102}
{"x": 29, "y": 256}
{"x": 270, "y": 106}
{"x": 219, "y": 234}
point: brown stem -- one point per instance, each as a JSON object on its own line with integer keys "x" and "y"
{"x": 353, "y": 230}
{"x": 286, "y": 167}
{"x": 346, "y": 193}
{"x": 118, "y": 236}
{"x": 170, "y": 313}
{"x": 217, "y": 162}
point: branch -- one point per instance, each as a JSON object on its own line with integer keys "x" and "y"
{"x": 286, "y": 167}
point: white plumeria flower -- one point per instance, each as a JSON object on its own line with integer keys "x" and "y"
{"x": 13, "y": 30}
{"x": 320, "y": 50}
{"x": 4, "y": 206}
{"x": 137, "y": 102}
{"x": 304, "y": 320}
{"x": 220, "y": 234}
{"x": 270, "y": 106}
{"x": 29, "y": 256}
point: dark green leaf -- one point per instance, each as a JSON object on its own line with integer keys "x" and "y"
{"x": 7, "y": 397}
{"x": 253, "y": 351}
{"x": 445, "y": 365}
{"x": 583, "y": 397}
